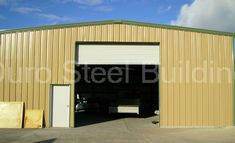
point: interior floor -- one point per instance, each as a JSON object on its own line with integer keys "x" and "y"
{"x": 94, "y": 98}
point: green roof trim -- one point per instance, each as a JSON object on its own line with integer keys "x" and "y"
{"x": 119, "y": 22}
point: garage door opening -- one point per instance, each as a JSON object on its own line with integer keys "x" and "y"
{"x": 110, "y": 92}
{"x": 116, "y": 80}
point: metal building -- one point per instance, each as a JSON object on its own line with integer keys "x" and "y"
{"x": 33, "y": 62}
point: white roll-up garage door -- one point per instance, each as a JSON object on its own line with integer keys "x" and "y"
{"x": 118, "y": 54}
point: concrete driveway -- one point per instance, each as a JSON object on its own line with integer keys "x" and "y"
{"x": 124, "y": 130}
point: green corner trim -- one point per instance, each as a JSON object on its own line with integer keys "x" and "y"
{"x": 234, "y": 81}
{"x": 119, "y": 22}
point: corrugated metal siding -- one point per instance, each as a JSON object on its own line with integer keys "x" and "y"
{"x": 184, "y": 102}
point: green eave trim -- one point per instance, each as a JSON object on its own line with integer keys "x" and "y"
{"x": 119, "y": 22}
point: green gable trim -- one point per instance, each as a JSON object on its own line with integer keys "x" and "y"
{"x": 119, "y": 22}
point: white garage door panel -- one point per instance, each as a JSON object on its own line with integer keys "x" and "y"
{"x": 118, "y": 54}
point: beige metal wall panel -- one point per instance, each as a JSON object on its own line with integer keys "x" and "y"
{"x": 205, "y": 84}
{"x": 61, "y": 56}
{"x": 175, "y": 76}
{"x": 229, "y": 85}
{"x": 182, "y": 79}
{"x": 24, "y": 69}
{"x": 183, "y": 101}
{"x": 211, "y": 85}
{"x": 49, "y": 50}
{"x": 19, "y": 68}
{"x": 217, "y": 85}
{"x": 36, "y": 66}
{"x": 188, "y": 81}
{"x": 13, "y": 68}
{"x": 170, "y": 80}
{"x": 72, "y": 80}
{"x": 30, "y": 70}
{"x": 67, "y": 65}
{"x": 6, "y": 85}
{"x": 163, "y": 86}
{"x": 42, "y": 70}
{"x": 2, "y": 62}
{"x": 199, "y": 79}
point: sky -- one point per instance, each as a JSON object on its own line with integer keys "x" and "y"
{"x": 206, "y": 14}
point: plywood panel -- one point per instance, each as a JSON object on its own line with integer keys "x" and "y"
{"x": 11, "y": 114}
{"x": 33, "y": 119}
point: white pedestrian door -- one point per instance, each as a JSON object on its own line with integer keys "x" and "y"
{"x": 60, "y": 106}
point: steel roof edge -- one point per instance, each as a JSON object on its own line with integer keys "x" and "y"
{"x": 119, "y": 22}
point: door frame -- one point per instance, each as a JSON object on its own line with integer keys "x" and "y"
{"x": 51, "y": 103}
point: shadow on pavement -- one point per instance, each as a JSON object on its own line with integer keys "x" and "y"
{"x": 47, "y": 141}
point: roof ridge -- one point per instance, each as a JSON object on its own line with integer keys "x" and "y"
{"x": 120, "y": 22}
